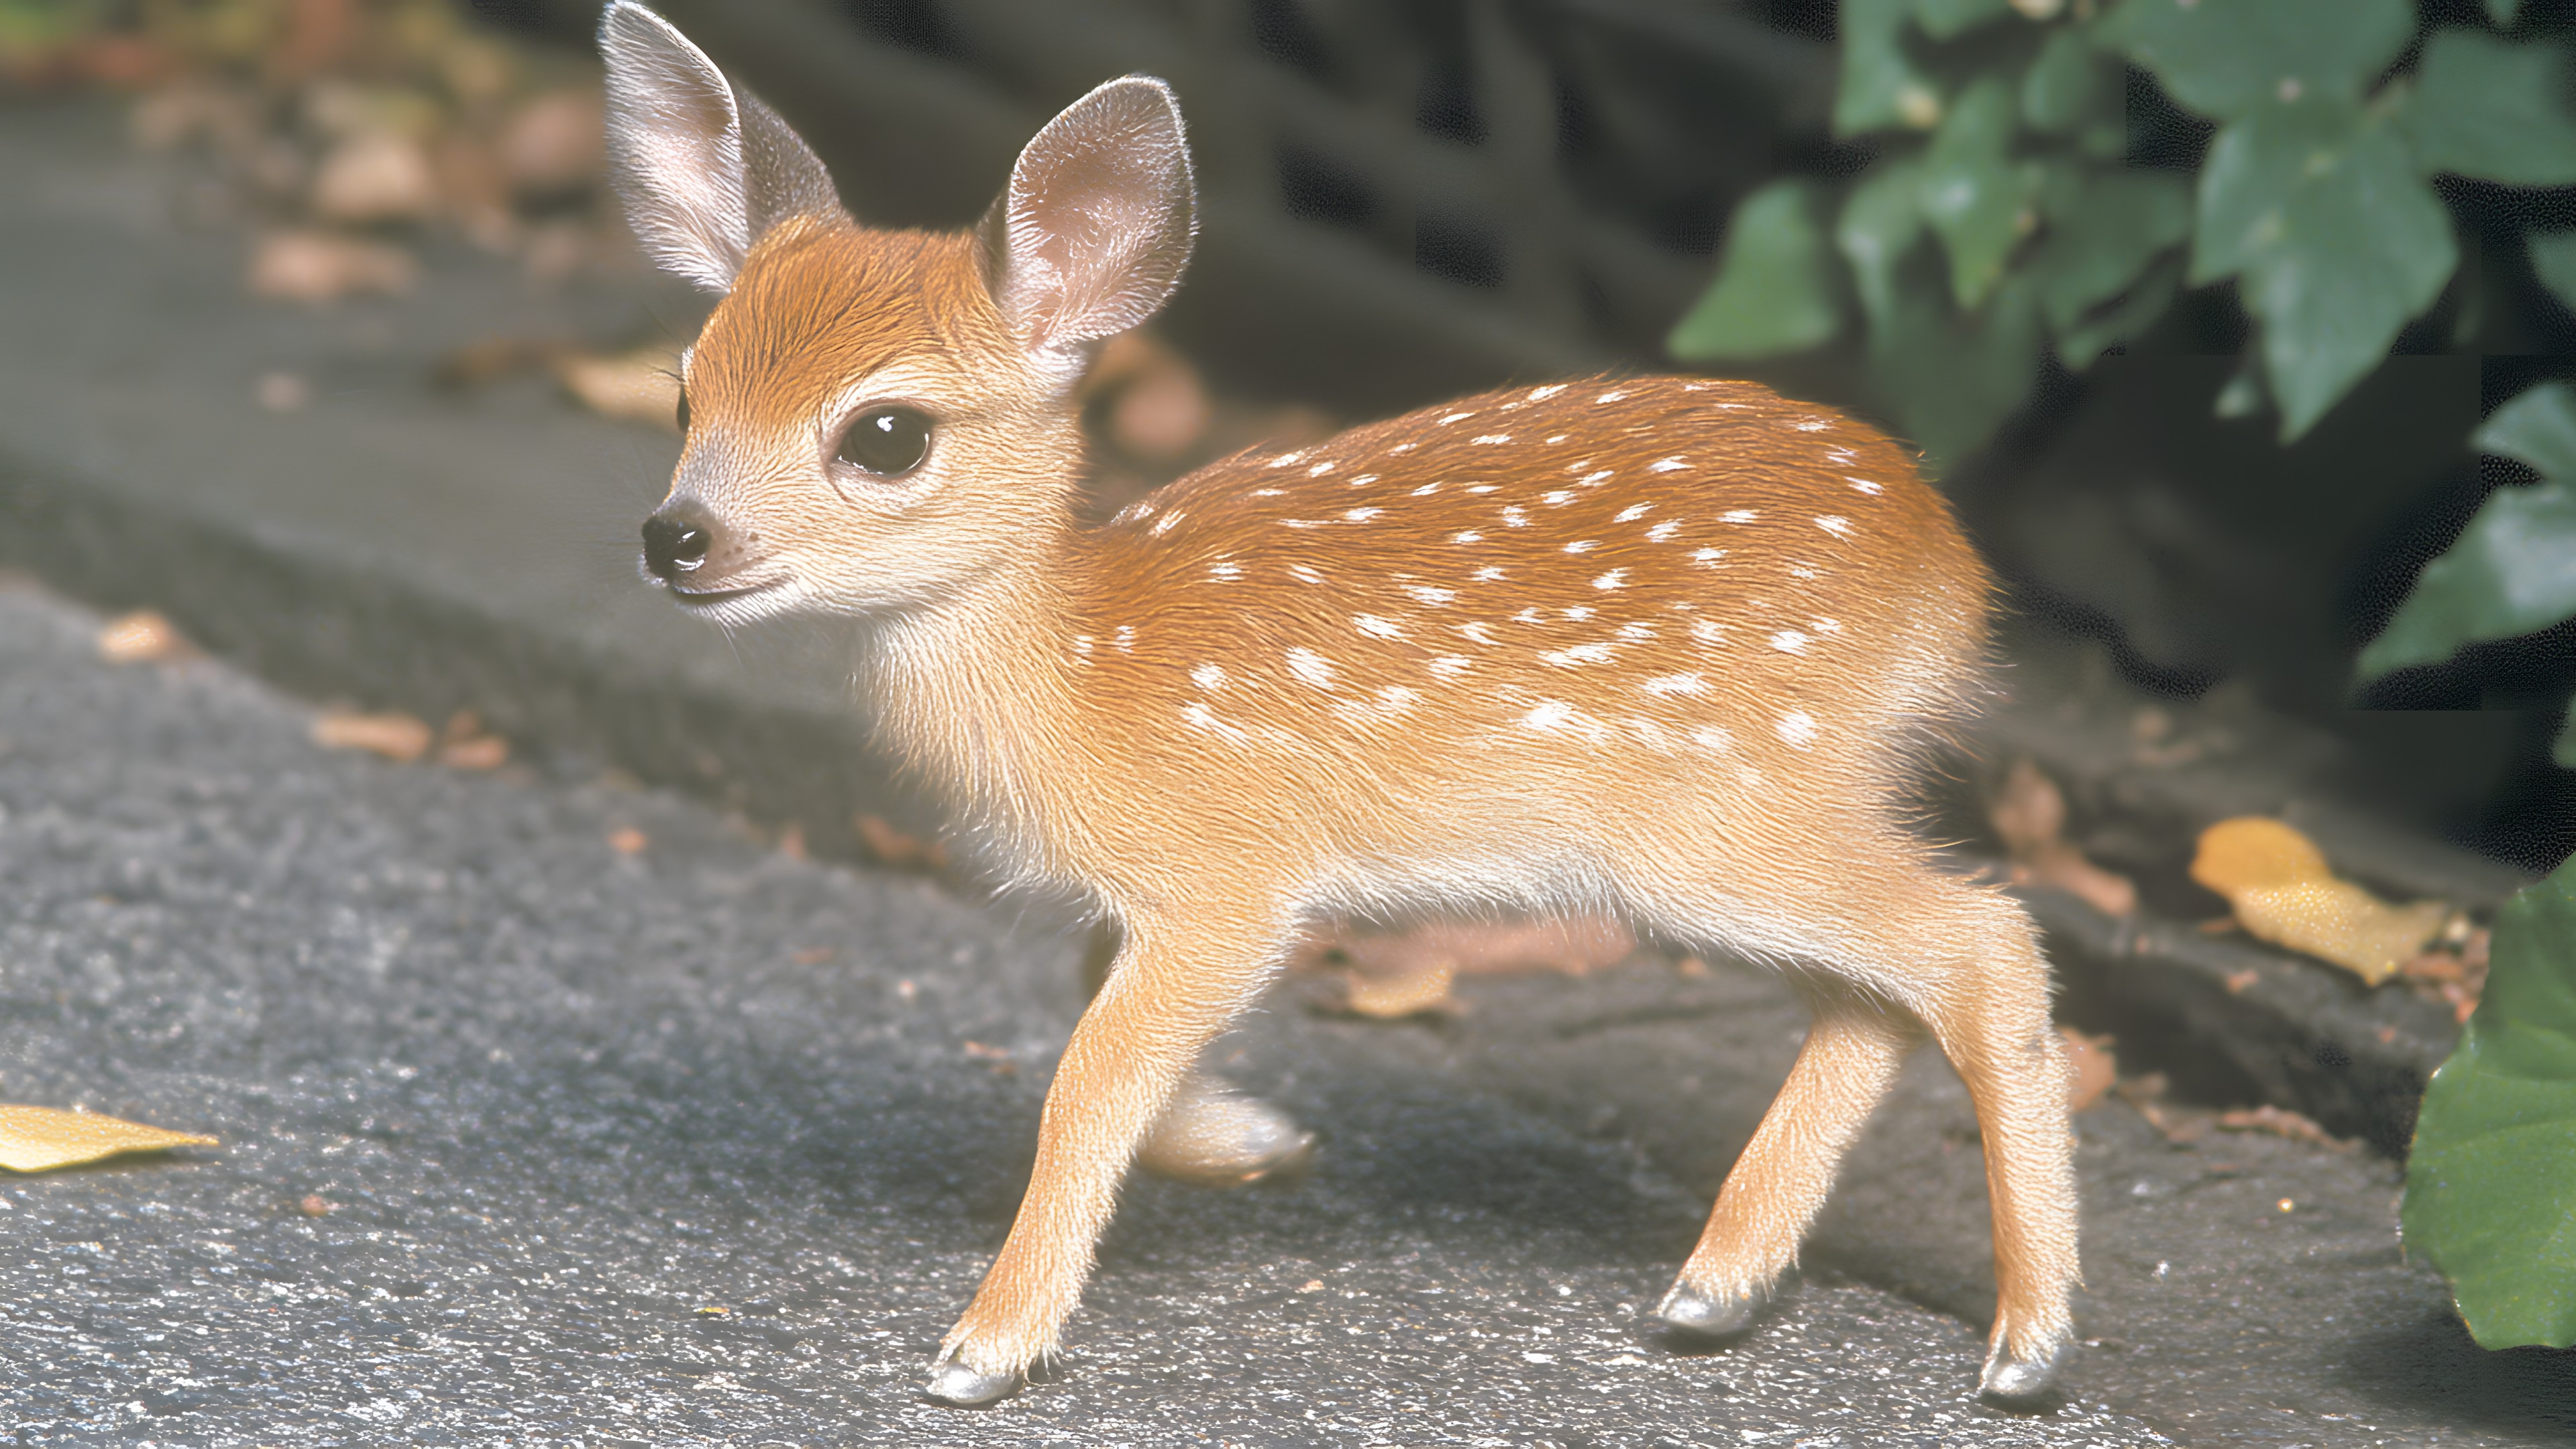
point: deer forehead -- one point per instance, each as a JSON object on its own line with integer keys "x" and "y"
{"x": 820, "y": 308}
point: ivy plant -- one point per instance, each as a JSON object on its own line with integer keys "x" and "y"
{"x": 2491, "y": 1183}
{"x": 2513, "y": 570}
{"x": 2001, "y": 216}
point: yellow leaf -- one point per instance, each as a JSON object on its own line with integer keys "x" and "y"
{"x": 2337, "y": 921}
{"x": 2250, "y": 850}
{"x": 40, "y": 1139}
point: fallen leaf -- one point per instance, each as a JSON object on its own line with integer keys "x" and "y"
{"x": 40, "y": 1139}
{"x": 714, "y": 1310}
{"x": 997, "y": 1058}
{"x": 890, "y": 845}
{"x": 2029, "y": 814}
{"x": 641, "y": 386}
{"x": 140, "y": 637}
{"x": 627, "y": 841}
{"x": 791, "y": 841}
{"x": 2284, "y": 892}
{"x": 552, "y": 144}
{"x": 399, "y": 737}
{"x": 316, "y": 266}
{"x": 373, "y": 177}
{"x": 1392, "y": 998}
{"x": 1161, "y": 415}
{"x": 315, "y": 1205}
{"x": 2282, "y": 1122}
{"x": 2091, "y": 1069}
{"x": 2147, "y": 1095}
{"x": 811, "y": 955}
{"x": 482, "y": 752}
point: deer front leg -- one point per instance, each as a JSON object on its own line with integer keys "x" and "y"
{"x": 1174, "y": 988}
{"x": 1211, "y": 1134}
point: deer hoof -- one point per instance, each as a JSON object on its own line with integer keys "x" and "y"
{"x": 1215, "y": 1136}
{"x": 2018, "y": 1380}
{"x": 959, "y": 1386}
{"x": 1707, "y": 1315}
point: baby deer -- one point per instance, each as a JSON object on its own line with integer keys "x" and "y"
{"x": 1666, "y": 649}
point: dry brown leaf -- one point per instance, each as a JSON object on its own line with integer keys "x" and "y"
{"x": 40, "y": 1139}
{"x": 315, "y": 1205}
{"x": 399, "y": 737}
{"x": 480, "y": 752}
{"x": 1161, "y": 415}
{"x": 628, "y": 841}
{"x": 641, "y": 386}
{"x": 372, "y": 177}
{"x": 140, "y": 637}
{"x": 2282, "y": 1122}
{"x": 2028, "y": 814}
{"x": 552, "y": 144}
{"x": 2147, "y": 1094}
{"x": 2283, "y": 892}
{"x": 899, "y": 849}
{"x": 1390, "y": 998}
{"x": 998, "y": 1059}
{"x": 2090, "y": 1068}
{"x": 316, "y": 266}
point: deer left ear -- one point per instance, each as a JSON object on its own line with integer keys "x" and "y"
{"x": 705, "y": 169}
{"x": 1098, "y": 221}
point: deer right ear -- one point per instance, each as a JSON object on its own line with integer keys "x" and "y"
{"x": 704, "y": 169}
{"x": 1098, "y": 221}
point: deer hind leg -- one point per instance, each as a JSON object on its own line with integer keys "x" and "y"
{"x": 1175, "y": 987}
{"x": 1778, "y": 1184}
{"x": 1212, "y": 1134}
{"x": 1965, "y": 961}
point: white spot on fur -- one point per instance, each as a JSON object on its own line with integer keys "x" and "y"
{"x": 1450, "y": 666}
{"x": 1798, "y": 728}
{"x": 1664, "y": 530}
{"x": 1169, "y": 519}
{"x": 1515, "y": 516}
{"x": 1708, "y": 631}
{"x": 1676, "y": 684}
{"x": 1739, "y": 515}
{"x": 1483, "y": 633}
{"x": 1225, "y": 569}
{"x": 1285, "y": 459}
{"x": 1489, "y": 573}
{"x": 1311, "y": 667}
{"x": 1812, "y": 425}
{"x": 1789, "y": 641}
{"x": 1396, "y": 699}
{"x": 1372, "y": 624}
{"x": 1125, "y": 638}
{"x": 1322, "y": 468}
{"x": 1491, "y": 438}
{"x": 1529, "y": 616}
{"x": 1208, "y": 677}
{"x": 1470, "y": 536}
{"x": 1707, "y": 557}
{"x": 1306, "y": 572}
{"x": 1542, "y": 394}
{"x": 1082, "y": 645}
{"x": 1828, "y": 626}
{"x": 1638, "y": 630}
{"x": 1666, "y": 465}
{"x": 1713, "y": 739}
{"x": 1456, "y": 417}
{"x": 1363, "y": 515}
{"x": 1865, "y": 486}
{"x": 1835, "y": 524}
{"x": 1557, "y": 438}
{"x": 1558, "y": 498}
{"x": 1433, "y": 487}
{"x": 1301, "y": 523}
{"x": 1268, "y": 492}
{"x": 1365, "y": 479}
{"x": 1579, "y": 612}
{"x": 1615, "y": 579}
{"x": 1547, "y": 714}
{"x": 1430, "y": 595}
{"x": 1614, "y": 395}
{"x": 1402, "y": 448}
{"x": 1583, "y": 545}
{"x": 1482, "y": 487}
{"x": 1577, "y": 654}
{"x": 1593, "y": 478}
{"x": 1632, "y": 513}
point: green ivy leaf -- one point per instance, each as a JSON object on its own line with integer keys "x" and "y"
{"x": 2123, "y": 317}
{"x": 1953, "y": 378}
{"x": 2514, "y": 569}
{"x": 1945, "y": 19}
{"x": 2103, "y": 230}
{"x": 2491, "y": 109}
{"x": 2067, "y": 85}
{"x": 1775, "y": 290}
{"x": 2318, "y": 205}
{"x": 2224, "y": 58}
{"x": 1882, "y": 221}
{"x": 1880, "y": 86}
{"x": 2491, "y": 1183}
{"x": 1978, "y": 198}
{"x": 2538, "y": 428}
{"x": 2553, "y": 260}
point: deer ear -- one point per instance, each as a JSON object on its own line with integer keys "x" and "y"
{"x": 704, "y": 169}
{"x": 1092, "y": 234}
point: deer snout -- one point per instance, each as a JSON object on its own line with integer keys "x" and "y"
{"x": 677, "y": 541}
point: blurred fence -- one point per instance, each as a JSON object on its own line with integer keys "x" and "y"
{"x": 1401, "y": 198}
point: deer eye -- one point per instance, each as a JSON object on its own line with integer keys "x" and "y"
{"x": 888, "y": 442}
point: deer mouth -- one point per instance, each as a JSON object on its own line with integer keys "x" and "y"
{"x": 702, "y": 598}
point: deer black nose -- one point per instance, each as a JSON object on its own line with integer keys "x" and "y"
{"x": 676, "y": 541}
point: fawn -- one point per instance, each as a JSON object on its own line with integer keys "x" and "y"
{"x": 1667, "y": 649}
